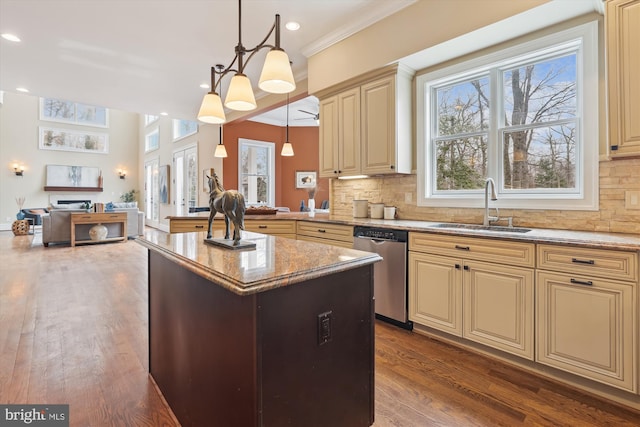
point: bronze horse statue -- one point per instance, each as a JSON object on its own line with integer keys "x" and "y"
{"x": 227, "y": 202}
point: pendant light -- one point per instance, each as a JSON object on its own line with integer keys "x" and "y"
{"x": 220, "y": 150}
{"x": 276, "y": 76}
{"x": 287, "y": 148}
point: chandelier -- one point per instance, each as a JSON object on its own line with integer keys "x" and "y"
{"x": 276, "y": 77}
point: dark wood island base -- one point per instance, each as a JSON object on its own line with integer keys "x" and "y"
{"x": 298, "y": 354}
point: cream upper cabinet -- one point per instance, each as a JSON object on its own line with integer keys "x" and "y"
{"x": 623, "y": 61}
{"x": 491, "y": 303}
{"x": 340, "y": 134}
{"x": 386, "y": 125}
{"x": 365, "y": 125}
{"x": 587, "y": 321}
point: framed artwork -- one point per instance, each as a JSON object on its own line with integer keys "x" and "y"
{"x": 58, "y": 110}
{"x": 163, "y": 182}
{"x": 306, "y": 179}
{"x": 73, "y": 140}
{"x": 62, "y": 176}
{"x": 205, "y": 180}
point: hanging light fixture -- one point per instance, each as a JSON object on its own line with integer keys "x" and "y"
{"x": 220, "y": 150}
{"x": 287, "y": 148}
{"x": 276, "y": 77}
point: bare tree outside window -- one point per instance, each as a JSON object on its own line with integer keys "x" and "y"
{"x": 538, "y": 128}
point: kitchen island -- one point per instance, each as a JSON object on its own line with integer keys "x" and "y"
{"x": 279, "y": 335}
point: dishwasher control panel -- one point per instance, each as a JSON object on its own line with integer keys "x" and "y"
{"x": 380, "y": 233}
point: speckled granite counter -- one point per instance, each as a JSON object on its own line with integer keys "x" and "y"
{"x": 280, "y": 334}
{"x": 247, "y": 272}
{"x": 536, "y": 235}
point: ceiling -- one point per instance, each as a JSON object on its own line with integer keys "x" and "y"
{"x": 151, "y": 56}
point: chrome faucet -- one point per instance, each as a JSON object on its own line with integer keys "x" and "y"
{"x": 487, "y": 218}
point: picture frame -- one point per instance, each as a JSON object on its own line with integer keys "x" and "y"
{"x": 59, "y": 110}
{"x": 72, "y": 178}
{"x": 163, "y": 183}
{"x": 306, "y": 179}
{"x": 205, "y": 180}
{"x": 73, "y": 140}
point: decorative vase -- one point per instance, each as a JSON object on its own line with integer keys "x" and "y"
{"x": 312, "y": 205}
{"x": 98, "y": 232}
{"x": 20, "y": 215}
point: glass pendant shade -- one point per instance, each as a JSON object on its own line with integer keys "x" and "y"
{"x": 240, "y": 94}
{"x": 287, "y": 150}
{"x": 211, "y": 110}
{"x": 276, "y": 76}
{"x": 220, "y": 151}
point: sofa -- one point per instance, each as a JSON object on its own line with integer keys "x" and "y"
{"x": 56, "y": 226}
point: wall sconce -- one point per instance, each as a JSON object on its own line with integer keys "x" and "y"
{"x": 18, "y": 169}
{"x": 122, "y": 173}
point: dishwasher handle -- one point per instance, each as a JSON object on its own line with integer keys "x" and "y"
{"x": 376, "y": 239}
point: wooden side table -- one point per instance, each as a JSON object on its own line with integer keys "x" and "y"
{"x": 98, "y": 218}
{"x": 20, "y": 227}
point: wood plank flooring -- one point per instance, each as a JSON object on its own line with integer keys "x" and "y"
{"x": 73, "y": 329}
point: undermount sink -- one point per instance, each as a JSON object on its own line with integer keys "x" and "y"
{"x": 499, "y": 228}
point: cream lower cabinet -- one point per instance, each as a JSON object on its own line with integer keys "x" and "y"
{"x": 320, "y": 232}
{"x": 587, "y": 321}
{"x": 485, "y": 302}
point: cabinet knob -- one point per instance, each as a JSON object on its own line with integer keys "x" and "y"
{"x": 392, "y": 167}
{"x": 466, "y": 267}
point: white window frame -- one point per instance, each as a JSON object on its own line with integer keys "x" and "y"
{"x": 177, "y": 128}
{"x": 242, "y": 142}
{"x": 587, "y": 146}
{"x": 150, "y": 118}
{"x": 153, "y": 131}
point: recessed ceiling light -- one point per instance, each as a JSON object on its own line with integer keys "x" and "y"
{"x": 292, "y": 26}
{"x": 204, "y": 86}
{"x": 11, "y": 37}
{"x": 22, "y": 89}
{"x": 164, "y": 113}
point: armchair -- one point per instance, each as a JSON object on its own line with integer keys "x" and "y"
{"x": 35, "y": 215}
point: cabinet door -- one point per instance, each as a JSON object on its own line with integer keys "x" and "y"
{"x": 349, "y": 132}
{"x": 588, "y": 327}
{"x": 623, "y": 50}
{"x": 498, "y": 307}
{"x": 435, "y": 292}
{"x": 379, "y": 126}
{"x": 328, "y": 167}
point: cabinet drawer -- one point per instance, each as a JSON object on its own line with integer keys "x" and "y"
{"x": 270, "y": 226}
{"x": 481, "y": 249}
{"x": 339, "y": 243}
{"x": 609, "y": 264}
{"x": 343, "y": 233}
{"x": 187, "y": 226}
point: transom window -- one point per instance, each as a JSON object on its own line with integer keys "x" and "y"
{"x": 525, "y": 116}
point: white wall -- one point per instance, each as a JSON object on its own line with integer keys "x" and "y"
{"x": 19, "y": 122}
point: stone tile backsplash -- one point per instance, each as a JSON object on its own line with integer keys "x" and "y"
{"x": 616, "y": 177}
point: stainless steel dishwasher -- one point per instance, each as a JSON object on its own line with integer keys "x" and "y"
{"x": 390, "y": 274}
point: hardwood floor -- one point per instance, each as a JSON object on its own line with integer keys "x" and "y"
{"x": 73, "y": 329}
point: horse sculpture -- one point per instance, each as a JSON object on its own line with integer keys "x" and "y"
{"x": 227, "y": 202}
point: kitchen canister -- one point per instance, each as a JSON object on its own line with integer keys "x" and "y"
{"x": 360, "y": 208}
{"x": 377, "y": 210}
{"x": 389, "y": 212}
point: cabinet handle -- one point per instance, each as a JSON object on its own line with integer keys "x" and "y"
{"x": 392, "y": 167}
{"x": 464, "y": 248}
{"x": 457, "y": 266}
{"x": 582, "y": 282}
{"x": 335, "y": 171}
{"x": 466, "y": 268}
{"x": 262, "y": 226}
{"x": 199, "y": 226}
{"x": 583, "y": 261}
{"x": 320, "y": 230}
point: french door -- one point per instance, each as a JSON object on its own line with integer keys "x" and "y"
{"x": 185, "y": 179}
{"x": 151, "y": 193}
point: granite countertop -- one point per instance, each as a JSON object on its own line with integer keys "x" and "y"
{"x": 620, "y": 241}
{"x": 246, "y": 272}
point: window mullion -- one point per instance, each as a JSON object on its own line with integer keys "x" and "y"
{"x": 494, "y": 147}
